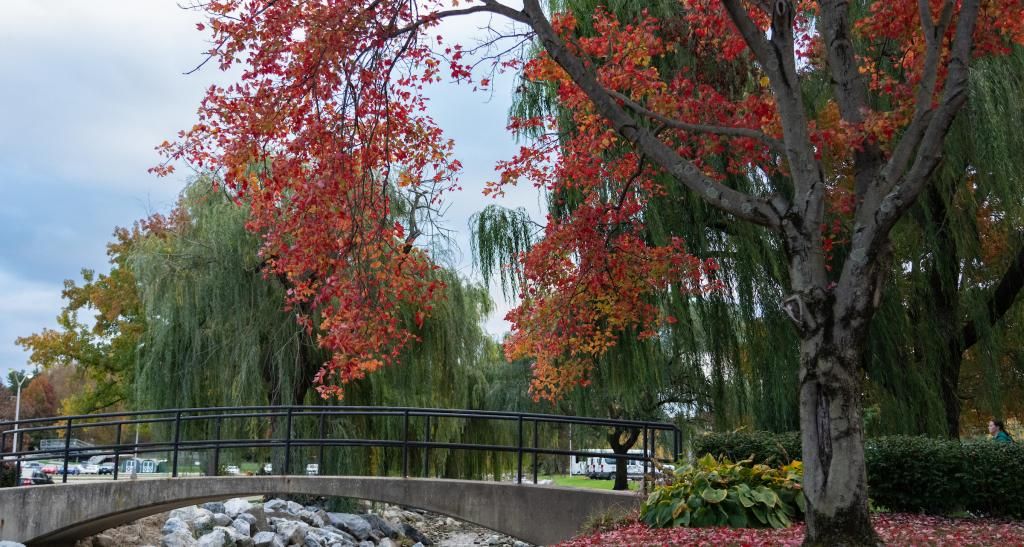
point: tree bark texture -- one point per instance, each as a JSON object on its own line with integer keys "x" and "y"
{"x": 622, "y": 447}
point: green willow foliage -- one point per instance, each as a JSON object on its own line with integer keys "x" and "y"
{"x": 218, "y": 336}
{"x": 733, "y": 357}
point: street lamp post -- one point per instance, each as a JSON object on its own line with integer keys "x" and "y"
{"x": 22, "y": 378}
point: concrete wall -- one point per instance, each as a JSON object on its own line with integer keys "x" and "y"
{"x": 59, "y": 514}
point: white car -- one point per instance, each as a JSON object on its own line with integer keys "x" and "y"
{"x": 313, "y": 469}
{"x": 232, "y": 470}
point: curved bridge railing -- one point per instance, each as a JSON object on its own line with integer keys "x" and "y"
{"x": 415, "y": 433}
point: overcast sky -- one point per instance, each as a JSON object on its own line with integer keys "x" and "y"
{"x": 89, "y": 88}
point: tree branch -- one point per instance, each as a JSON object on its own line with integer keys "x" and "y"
{"x": 743, "y": 132}
{"x": 753, "y": 209}
{"x": 1001, "y": 300}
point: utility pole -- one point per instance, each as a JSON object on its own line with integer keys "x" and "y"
{"x": 22, "y": 378}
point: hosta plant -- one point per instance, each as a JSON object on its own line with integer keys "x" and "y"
{"x": 710, "y": 492}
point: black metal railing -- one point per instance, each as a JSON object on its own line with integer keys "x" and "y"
{"x": 13, "y": 435}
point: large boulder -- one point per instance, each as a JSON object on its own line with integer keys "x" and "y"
{"x": 271, "y": 507}
{"x": 257, "y": 519}
{"x": 203, "y": 523}
{"x": 190, "y": 513}
{"x": 213, "y": 507}
{"x": 242, "y": 526}
{"x": 412, "y": 533}
{"x": 328, "y": 538}
{"x": 220, "y": 519}
{"x": 353, "y": 524}
{"x": 235, "y": 506}
{"x": 216, "y": 538}
{"x": 266, "y": 539}
{"x": 290, "y": 532}
{"x": 4, "y": 543}
{"x": 381, "y": 526}
{"x": 175, "y": 524}
{"x": 310, "y": 517}
{"x": 178, "y": 538}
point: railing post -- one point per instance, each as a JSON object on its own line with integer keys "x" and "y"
{"x": 426, "y": 446}
{"x": 177, "y": 439}
{"x": 288, "y": 443}
{"x": 323, "y": 436}
{"x": 117, "y": 450}
{"x": 405, "y": 444}
{"x": 519, "y": 452}
{"x": 536, "y": 426}
{"x": 216, "y": 446}
{"x": 17, "y": 443}
{"x": 647, "y": 458}
{"x": 67, "y": 451}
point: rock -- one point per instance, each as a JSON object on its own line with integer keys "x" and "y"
{"x": 214, "y": 507}
{"x": 386, "y": 542}
{"x": 353, "y": 524}
{"x": 450, "y": 522}
{"x": 345, "y": 536}
{"x": 417, "y": 544}
{"x": 310, "y": 518}
{"x": 520, "y": 544}
{"x": 242, "y": 526}
{"x": 257, "y": 519}
{"x": 190, "y": 513}
{"x": 411, "y": 515}
{"x": 202, "y": 524}
{"x": 103, "y": 540}
{"x": 4, "y": 543}
{"x": 216, "y": 538}
{"x": 235, "y": 506}
{"x": 275, "y": 506}
{"x": 365, "y": 544}
{"x": 178, "y": 538}
{"x": 329, "y": 537}
{"x": 266, "y": 539}
{"x": 383, "y": 527}
{"x": 175, "y": 524}
{"x": 220, "y": 519}
{"x": 293, "y": 507}
{"x": 412, "y": 533}
{"x": 290, "y": 531}
{"x": 237, "y": 539}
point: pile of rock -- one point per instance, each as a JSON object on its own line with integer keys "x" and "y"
{"x": 279, "y": 523}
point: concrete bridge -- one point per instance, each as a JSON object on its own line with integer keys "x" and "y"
{"x": 60, "y": 514}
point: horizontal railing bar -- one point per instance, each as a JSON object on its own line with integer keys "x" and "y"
{"x": 257, "y": 411}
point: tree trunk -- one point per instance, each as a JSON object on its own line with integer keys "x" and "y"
{"x": 832, "y": 434}
{"x": 621, "y": 447}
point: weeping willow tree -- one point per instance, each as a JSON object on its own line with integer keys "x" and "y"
{"x": 218, "y": 335}
{"x": 955, "y": 273}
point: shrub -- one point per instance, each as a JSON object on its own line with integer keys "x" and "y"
{"x": 993, "y": 478}
{"x": 914, "y": 473}
{"x": 907, "y": 473}
{"x": 757, "y": 446}
{"x": 720, "y": 493}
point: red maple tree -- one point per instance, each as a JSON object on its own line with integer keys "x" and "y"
{"x": 329, "y": 114}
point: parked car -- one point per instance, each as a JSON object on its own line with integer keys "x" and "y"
{"x": 105, "y": 469}
{"x": 268, "y": 468}
{"x": 313, "y": 469}
{"x": 50, "y": 469}
{"x": 33, "y": 476}
{"x": 232, "y": 470}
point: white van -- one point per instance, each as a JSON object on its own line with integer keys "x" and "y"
{"x": 603, "y": 467}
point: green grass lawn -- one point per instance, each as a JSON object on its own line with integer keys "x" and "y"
{"x": 583, "y": 482}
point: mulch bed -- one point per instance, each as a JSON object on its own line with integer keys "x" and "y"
{"x": 894, "y": 529}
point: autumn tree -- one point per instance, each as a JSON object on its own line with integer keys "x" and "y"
{"x": 331, "y": 100}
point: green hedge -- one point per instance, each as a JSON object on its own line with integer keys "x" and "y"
{"x": 773, "y": 449}
{"x": 908, "y": 473}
